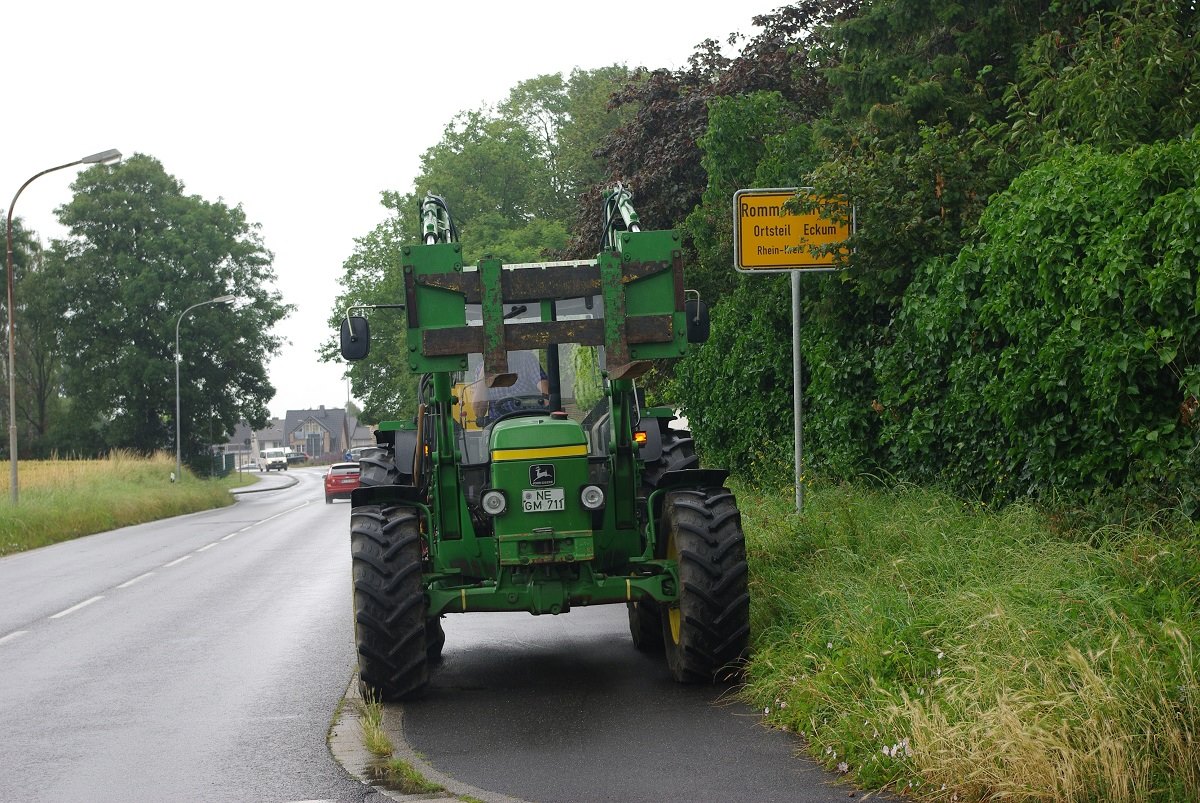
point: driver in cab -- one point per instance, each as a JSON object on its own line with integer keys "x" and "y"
{"x": 531, "y": 388}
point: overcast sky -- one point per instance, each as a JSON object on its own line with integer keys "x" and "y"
{"x": 300, "y": 112}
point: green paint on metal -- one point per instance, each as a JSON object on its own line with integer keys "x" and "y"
{"x": 551, "y": 589}
{"x": 535, "y": 433}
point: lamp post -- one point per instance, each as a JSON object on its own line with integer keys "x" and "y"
{"x": 103, "y": 157}
{"x": 178, "y": 359}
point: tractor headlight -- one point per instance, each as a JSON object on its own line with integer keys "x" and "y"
{"x": 494, "y": 503}
{"x": 592, "y": 497}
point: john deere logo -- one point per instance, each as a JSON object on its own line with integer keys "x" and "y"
{"x": 541, "y": 475}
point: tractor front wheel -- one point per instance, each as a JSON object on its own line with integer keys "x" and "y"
{"x": 435, "y": 638}
{"x": 706, "y": 634}
{"x": 645, "y": 624}
{"x": 389, "y": 601}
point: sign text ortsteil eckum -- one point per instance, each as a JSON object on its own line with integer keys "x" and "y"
{"x": 771, "y": 237}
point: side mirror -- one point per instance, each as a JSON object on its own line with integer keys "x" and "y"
{"x": 356, "y": 337}
{"x": 698, "y": 322}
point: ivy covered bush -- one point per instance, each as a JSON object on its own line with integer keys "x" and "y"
{"x": 1061, "y": 352}
{"x": 736, "y": 389}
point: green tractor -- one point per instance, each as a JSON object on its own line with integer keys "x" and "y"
{"x": 533, "y": 477}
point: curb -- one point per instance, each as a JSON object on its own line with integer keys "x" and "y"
{"x": 346, "y": 744}
{"x": 254, "y": 489}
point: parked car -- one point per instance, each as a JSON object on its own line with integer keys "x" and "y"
{"x": 340, "y": 480}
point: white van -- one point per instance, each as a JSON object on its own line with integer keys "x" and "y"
{"x": 273, "y": 458}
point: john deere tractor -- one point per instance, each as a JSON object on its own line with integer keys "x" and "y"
{"x": 533, "y": 477}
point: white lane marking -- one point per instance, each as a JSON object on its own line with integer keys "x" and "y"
{"x": 16, "y": 634}
{"x": 137, "y": 579}
{"x": 74, "y": 608}
{"x": 284, "y": 513}
{"x": 207, "y": 546}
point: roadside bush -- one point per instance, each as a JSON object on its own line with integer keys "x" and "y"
{"x": 736, "y": 389}
{"x": 1061, "y": 352}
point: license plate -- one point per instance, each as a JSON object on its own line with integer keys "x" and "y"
{"x": 543, "y": 500}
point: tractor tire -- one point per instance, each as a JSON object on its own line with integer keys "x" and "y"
{"x": 645, "y": 625}
{"x": 678, "y": 452}
{"x": 706, "y": 635}
{"x": 377, "y": 466}
{"x": 389, "y": 602}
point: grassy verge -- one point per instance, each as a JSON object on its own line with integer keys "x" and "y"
{"x": 395, "y": 772}
{"x": 924, "y": 645}
{"x": 64, "y": 499}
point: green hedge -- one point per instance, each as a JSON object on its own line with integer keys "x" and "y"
{"x": 1057, "y": 354}
{"x": 1062, "y": 351}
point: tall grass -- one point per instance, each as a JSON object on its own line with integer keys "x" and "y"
{"x": 925, "y": 645}
{"x": 63, "y": 499}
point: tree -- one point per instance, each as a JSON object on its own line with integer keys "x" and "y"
{"x": 1113, "y": 80}
{"x": 139, "y": 253}
{"x": 568, "y": 120}
{"x": 509, "y": 176}
{"x": 655, "y": 152}
{"x": 36, "y": 353}
{"x": 371, "y": 275}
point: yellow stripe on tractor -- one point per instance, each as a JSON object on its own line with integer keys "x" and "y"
{"x": 579, "y": 450}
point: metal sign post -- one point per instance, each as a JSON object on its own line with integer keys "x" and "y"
{"x": 769, "y": 238}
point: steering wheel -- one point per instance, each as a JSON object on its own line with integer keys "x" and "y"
{"x": 526, "y": 406}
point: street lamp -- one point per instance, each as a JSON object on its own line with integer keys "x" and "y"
{"x": 178, "y": 359}
{"x": 103, "y": 157}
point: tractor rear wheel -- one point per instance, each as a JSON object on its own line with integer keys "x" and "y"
{"x": 678, "y": 452}
{"x": 377, "y": 466}
{"x": 389, "y": 601}
{"x": 706, "y": 635}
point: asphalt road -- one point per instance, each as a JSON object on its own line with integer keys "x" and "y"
{"x": 202, "y": 658}
{"x": 199, "y": 658}
{"x": 564, "y": 709}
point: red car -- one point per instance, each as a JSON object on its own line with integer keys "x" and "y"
{"x": 340, "y": 480}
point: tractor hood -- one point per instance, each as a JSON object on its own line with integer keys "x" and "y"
{"x": 537, "y": 438}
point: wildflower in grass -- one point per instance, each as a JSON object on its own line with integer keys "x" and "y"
{"x": 843, "y": 767}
